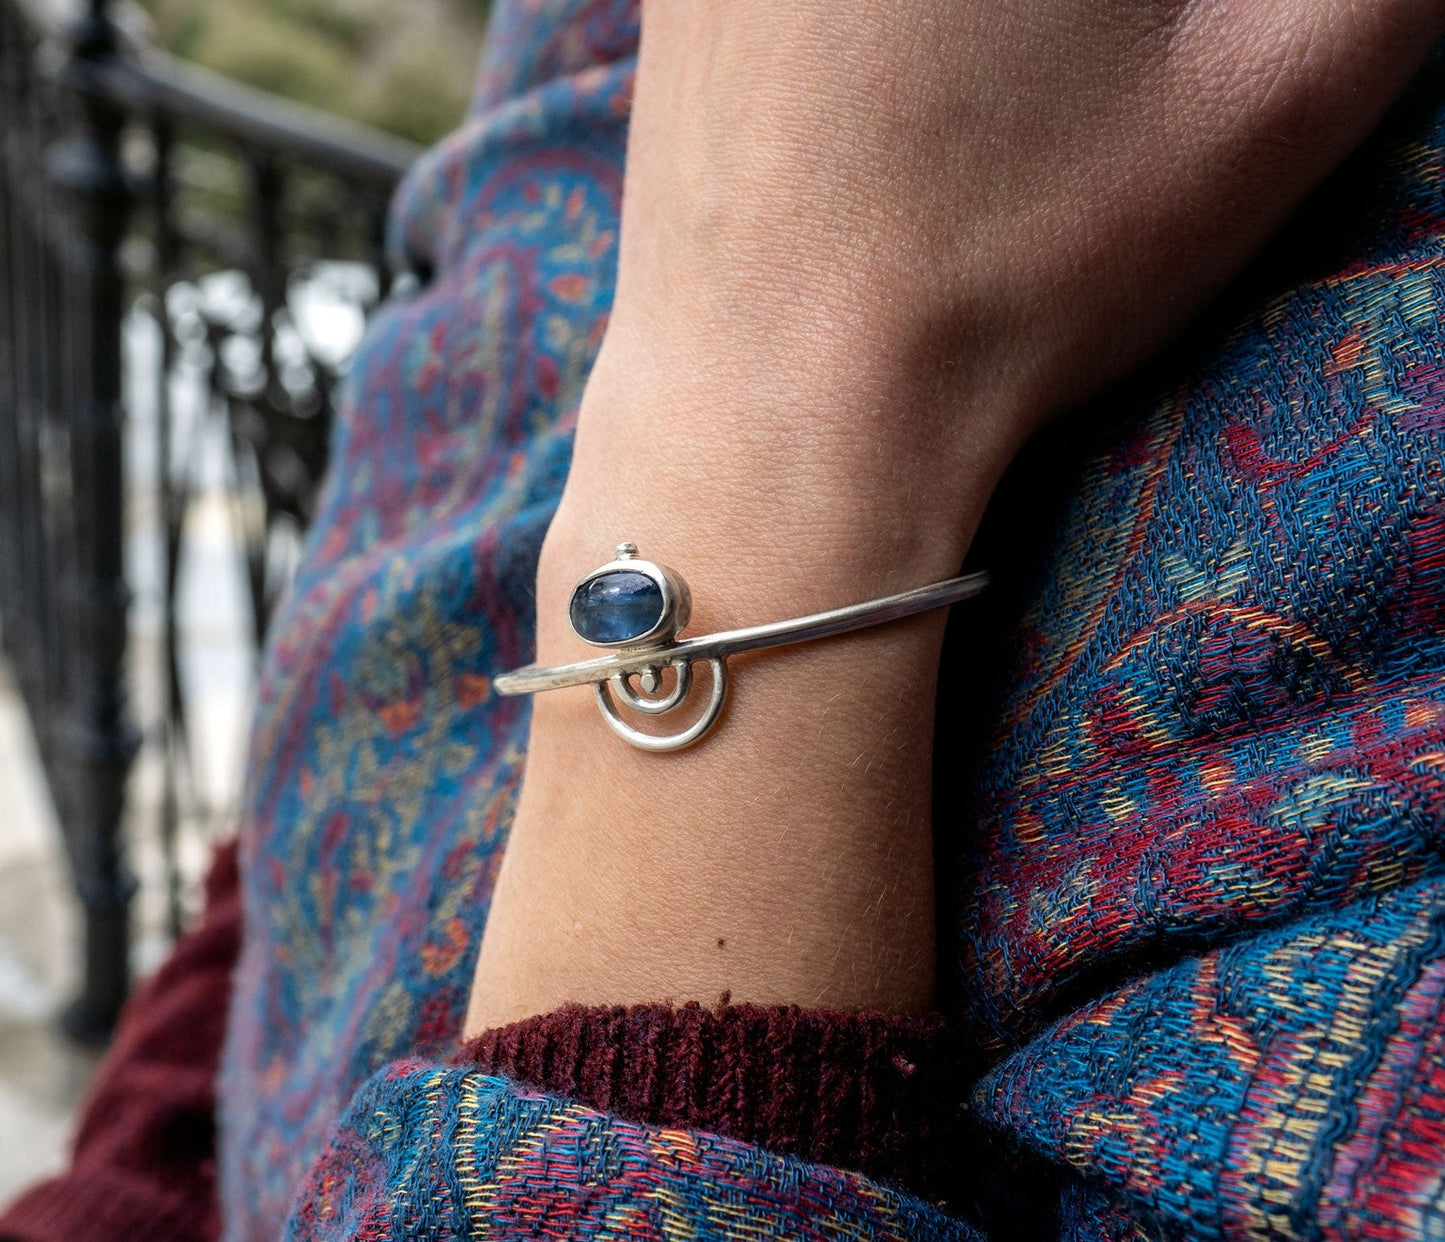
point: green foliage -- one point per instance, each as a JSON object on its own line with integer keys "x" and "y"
{"x": 190, "y": 34}
{"x": 402, "y": 65}
{"x": 346, "y": 27}
{"x": 277, "y": 56}
{"x": 411, "y": 100}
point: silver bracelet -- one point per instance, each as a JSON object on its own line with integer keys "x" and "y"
{"x": 638, "y": 606}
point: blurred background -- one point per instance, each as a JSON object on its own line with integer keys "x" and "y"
{"x": 192, "y": 206}
{"x": 404, "y": 66}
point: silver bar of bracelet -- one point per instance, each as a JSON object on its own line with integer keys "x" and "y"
{"x": 637, "y": 606}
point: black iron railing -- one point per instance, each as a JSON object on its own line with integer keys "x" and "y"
{"x": 125, "y": 178}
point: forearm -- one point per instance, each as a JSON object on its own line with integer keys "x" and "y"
{"x": 787, "y": 859}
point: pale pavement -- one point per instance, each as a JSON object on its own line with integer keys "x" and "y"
{"x": 41, "y": 1075}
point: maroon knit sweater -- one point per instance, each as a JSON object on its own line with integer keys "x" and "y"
{"x": 871, "y": 1092}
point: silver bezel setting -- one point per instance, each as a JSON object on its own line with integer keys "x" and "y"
{"x": 676, "y": 599}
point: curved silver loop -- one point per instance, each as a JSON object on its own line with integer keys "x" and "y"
{"x": 621, "y": 684}
{"x": 694, "y": 732}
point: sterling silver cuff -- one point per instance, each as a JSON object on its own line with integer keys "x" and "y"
{"x": 637, "y": 607}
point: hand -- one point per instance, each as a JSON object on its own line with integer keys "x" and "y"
{"x": 866, "y": 248}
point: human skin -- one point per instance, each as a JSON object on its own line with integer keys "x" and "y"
{"x": 867, "y": 248}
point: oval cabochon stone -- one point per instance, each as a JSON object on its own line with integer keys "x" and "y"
{"x": 616, "y": 606}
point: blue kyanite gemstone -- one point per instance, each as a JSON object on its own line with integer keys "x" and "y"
{"x": 616, "y": 606}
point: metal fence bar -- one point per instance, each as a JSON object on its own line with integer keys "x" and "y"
{"x": 95, "y": 741}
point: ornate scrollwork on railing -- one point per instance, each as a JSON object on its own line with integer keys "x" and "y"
{"x": 184, "y": 264}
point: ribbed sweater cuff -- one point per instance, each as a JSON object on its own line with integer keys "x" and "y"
{"x": 873, "y": 1092}
{"x": 107, "y": 1204}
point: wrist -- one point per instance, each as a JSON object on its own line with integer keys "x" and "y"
{"x": 788, "y": 859}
